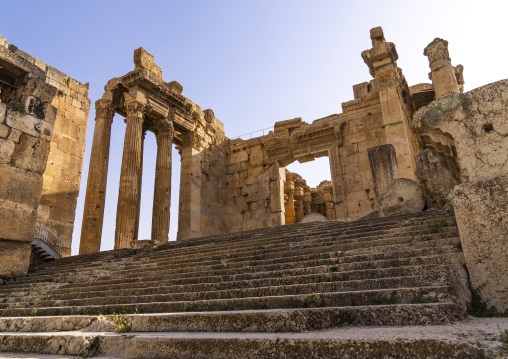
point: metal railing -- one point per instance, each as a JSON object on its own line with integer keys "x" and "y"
{"x": 262, "y": 132}
{"x": 47, "y": 236}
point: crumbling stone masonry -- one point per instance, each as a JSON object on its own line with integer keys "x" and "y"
{"x": 478, "y": 123}
{"x": 43, "y": 122}
{"x": 62, "y": 177}
{"x": 26, "y": 128}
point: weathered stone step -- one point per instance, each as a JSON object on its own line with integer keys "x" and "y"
{"x": 238, "y": 250}
{"x": 268, "y": 320}
{"x": 298, "y": 320}
{"x": 126, "y": 297}
{"x": 46, "y": 324}
{"x": 270, "y": 250}
{"x": 404, "y": 258}
{"x": 417, "y": 295}
{"x": 309, "y": 267}
{"x": 242, "y": 285}
{"x": 414, "y": 342}
{"x": 386, "y": 263}
{"x": 288, "y": 250}
{"x": 259, "y": 280}
{"x": 257, "y": 257}
{"x": 149, "y": 253}
{"x": 160, "y": 275}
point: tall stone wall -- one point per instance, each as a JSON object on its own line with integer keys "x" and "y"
{"x": 250, "y": 179}
{"x": 65, "y": 162}
{"x": 26, "y": 129}
{"x": 363, "y": 130}
{"x": 62, "y": 176}
{"x": 256, "y": 177}
{"x": 203, "y": 183}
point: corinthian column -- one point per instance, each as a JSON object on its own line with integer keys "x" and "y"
{"x": 93, "y": 214}
{"x": 162, "y": 187}
{"x": 130, "y": 177}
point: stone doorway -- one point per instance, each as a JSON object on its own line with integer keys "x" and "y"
{"x": 308, "y": 190}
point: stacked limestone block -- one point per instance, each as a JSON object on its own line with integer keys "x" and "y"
{"x": 26, "y": 130}
{"x": 63, "y": 173}
{"x": 62, "y": 176}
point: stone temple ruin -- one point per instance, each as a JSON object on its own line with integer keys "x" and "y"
{"x": 415, "y": 215}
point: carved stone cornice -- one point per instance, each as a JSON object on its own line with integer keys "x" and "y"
{"x": 104, "y": 109}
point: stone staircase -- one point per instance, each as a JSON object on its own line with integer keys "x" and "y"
{"x": 241, "y": 295}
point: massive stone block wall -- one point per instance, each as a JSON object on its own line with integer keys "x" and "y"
{"x": 203, "y": 184}
{"x": 62, "y": 176}
{"x": 250, "y": 179}
{"x": 63, "y": 172}
{"x": 26, "y": 129}
{"x": 255, "y": 179}
{"x": 363, "y": 130}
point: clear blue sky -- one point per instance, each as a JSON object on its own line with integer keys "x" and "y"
{"x": 252, "y": 62}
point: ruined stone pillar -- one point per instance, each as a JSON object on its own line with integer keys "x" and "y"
{"x": 329, "y": 207}
{"x": 289, "y": 190}
{"x": 128, "y": 194}
{"x": 383, "y": 164}
{"x": 189, "y": 219}
{"x": 442, "y": 72}
{"x": 394, "y": 98}
{"x": 307, "y": 200}
{"x": 337, "y": 183}
{"x": 299, "y": 212}
{"x": 162, "y": 187}
{"x": 93, "y": 213}
{"x": 277, "y": 202}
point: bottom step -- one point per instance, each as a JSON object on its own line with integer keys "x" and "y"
{"x": 471, "y": 338}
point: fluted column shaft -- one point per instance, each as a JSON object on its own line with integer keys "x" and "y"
{"x": 136, "y": 230}
{"x": 128, "y": 194}
{"x": 93, "y": 214}
{"x": 162, "y": 186}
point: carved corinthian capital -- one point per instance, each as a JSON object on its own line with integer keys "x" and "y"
{"x": 135, "y": 108}
{"x": 104, "y": 109}
{"x": 164, "y": 126}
